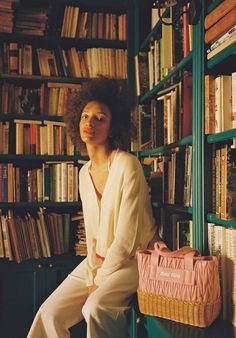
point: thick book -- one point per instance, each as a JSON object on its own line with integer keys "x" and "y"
{"x": 220, "y": 11}
{"x": 209, "y": 104}
{"x": 221, "y": 26}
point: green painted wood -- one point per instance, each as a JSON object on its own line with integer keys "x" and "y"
{"x": 19, "y": 301}
{"x": 39, "y": 158}
{"x": 199, "y": 231}
{"x": 54, "y": 41}
{"x": 155, "y": 328}
{"x": 12, "y": 117}
{"x": 162, "y": 328}
{"x": 166, "y": 148}
{"x": 223, "y": 136}
{"x": 23, "y": 288}
{"x": 155, "y": 89}
{"x": 149, "y": 38}
{"x": 22, "y": 205}
{"x": 222, "y": 55}
{"x": 225, "y": 222}
{"x": 179, "y": 208}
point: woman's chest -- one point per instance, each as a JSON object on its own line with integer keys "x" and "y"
{"x": 99, "y": 183}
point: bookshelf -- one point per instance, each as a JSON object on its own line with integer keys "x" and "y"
{"x": 201, "y": 209}
{"x": 24, "y": 286}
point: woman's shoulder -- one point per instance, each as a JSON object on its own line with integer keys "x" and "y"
{"x": 128, "y": 160}
{"x": 84, "y": 169}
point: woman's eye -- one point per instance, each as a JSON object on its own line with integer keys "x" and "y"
{"x": 84, "y": 116}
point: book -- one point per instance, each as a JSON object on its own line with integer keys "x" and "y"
{"x": 221, "y": 26}
{"x": 221, "y": 10}
{"x": 222, "y": 46}
{"x": 209, "y": 104}
{"x": 223, "y": 38}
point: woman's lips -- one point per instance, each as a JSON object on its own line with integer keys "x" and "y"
{"x": 88, "y": 131}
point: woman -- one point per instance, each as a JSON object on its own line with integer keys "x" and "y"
{"x": 117, "y": 214}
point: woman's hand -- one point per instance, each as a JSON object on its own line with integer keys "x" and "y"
{"x": 92, "y": 288}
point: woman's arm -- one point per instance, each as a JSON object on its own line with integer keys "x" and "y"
{"x": 127, "y": 237}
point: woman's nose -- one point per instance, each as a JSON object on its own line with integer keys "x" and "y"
{"x": 90, "y": 121}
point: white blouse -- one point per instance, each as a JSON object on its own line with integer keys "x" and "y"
{"x": 121, "y": 222}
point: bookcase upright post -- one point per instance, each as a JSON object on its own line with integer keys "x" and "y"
{"x": 198, "y": 182}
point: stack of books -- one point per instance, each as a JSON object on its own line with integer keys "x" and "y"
{"x": 220, "y": 25}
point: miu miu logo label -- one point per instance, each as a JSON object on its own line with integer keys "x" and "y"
{"x": 172, "y": 275}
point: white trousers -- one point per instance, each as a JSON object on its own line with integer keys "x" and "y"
{"x": 105, "y": 310}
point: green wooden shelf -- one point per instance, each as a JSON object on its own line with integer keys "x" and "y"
{"x": 54, "y": 41}
{"x": 12, "y": 117}
{"x": 39, "y": 78}
{"x": 48, "y": 204}
{"x": 222, "y": 55}
{"x": 151, "y": 35}
{"x": 223, "y": 136}
{"x": 30, "y": 264}
{"x": 163, "y": 149}
{"x": 163, "y": 328}
{"x": 40, "y": 158}
{"x": 179, "y": 208}
{"x": 155, "y": 89}
{"x": 225, "y": 222}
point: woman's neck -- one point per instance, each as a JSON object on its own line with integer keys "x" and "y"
{"x": 99, "y": 156}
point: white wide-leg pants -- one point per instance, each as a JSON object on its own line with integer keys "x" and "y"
{"x": 104, "y": 310}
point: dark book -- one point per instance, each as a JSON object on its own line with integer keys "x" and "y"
{"x": 187, "y": 104}
{"x": 142, "y": 73}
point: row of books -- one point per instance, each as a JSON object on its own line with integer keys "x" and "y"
{"x": 56, "y": 182}
{"x": 24, "y": 237}
{"x": 49, "y": 98}
{"x": 92, "y": 25}
{"x": 163, "y": 54}
{"x": 80, "y": 241}
{"x": 42, "y": 138}
{"x": 224, "y": 181}
{"x": 23, "y": 59}
{"x": 220, "y": 25}
{"x": 171, "y": 177}
{"x": 167, "y": 118}
{"x": 66, "y": 21}
{"x": 222, "y": 243}
{"x": 220, "y": 103}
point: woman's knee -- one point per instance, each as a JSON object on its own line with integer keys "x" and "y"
{"x": 49, "y": 311}
{"x": 92, "y": 308}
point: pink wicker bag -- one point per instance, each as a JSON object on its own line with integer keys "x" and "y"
{"x": 179, "y": 285}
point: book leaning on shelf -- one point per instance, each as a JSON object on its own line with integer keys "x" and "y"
{"x": 220, "y": 21}
{"x": 220, "y": 103}
{"x": 36, "y": 236}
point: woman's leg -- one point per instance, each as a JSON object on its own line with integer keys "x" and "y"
{"x": 105, "y": 310}
{"x": 62, "y": 309}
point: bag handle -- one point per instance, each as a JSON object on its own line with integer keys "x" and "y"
{"x": 161, "y": 249}
{"x": 186, "y": 252}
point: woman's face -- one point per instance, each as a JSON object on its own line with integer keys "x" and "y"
{"x": 95, "y": 123}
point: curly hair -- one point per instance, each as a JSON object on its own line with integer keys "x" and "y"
{"x": 117, "y": 96}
